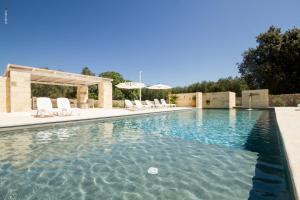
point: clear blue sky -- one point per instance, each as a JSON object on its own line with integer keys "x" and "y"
{"x": 174, "y": 42}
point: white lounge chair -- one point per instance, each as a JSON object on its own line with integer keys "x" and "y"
{"x": 63, "y": 105}
{"x": 129, "y": 105}
{"x": 150, "y": 104}
{"x": 44, "y": 107}
{"x": 298, "y": 107}
{"x": 157, "y": 103}
{"x": 139, "y": 104}
{"x": 164, "y": 103}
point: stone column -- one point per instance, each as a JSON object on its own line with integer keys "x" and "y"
{"x": 232, "y": 99}
{"x": 20, "y": 91}
{"x": 198, "y": 99}
{"x": 105, "y": 93}
{"x": 3, "y": 92}
{"x": 83, "y": 96}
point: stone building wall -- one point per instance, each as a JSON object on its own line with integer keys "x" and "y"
{"x": 218, "y": 100}
{"x": 186, "y": 99}
{"x": 206, "y": 100}
{"x": 255, "y": 98}
{"x": 20, "y": 91}
{"x": 3, "y": 94}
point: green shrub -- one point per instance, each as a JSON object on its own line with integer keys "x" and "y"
{"x": 278, "y": 102}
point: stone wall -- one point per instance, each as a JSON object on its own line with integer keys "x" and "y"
{"x": 206, "y": 100}
{"x": 238, "y": 101}
{"x": 255, "y": 98}
{"x": 20, "y": 91}
{"x": 218, "y": 100}
{"x": 3, "y": 94}
{"x": 284, "y": 100}
{"x": 186, "y": 99}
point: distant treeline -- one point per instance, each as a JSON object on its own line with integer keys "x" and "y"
{"x": 222, "y": 85}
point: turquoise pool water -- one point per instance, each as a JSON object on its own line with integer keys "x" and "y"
{"x": 198, "y": 154}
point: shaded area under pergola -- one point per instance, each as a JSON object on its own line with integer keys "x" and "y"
{"x": 18, "y": 81}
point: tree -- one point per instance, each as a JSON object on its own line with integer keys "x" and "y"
{"x": 87, "y": 71}
{"x": 222, "y": 85}
{"x": 93, "y": 89}
{"x": 119, "y": 94}
{"x": 275, "y": 62}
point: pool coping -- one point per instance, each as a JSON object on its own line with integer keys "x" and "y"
{"x": 87, "y": 119}
{"x": 290, "y": 142}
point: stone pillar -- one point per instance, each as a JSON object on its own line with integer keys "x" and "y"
{"x": 255, "y": 98}
{"x": 198, "y": 99}
{"x": 105, "y": 93}
{"x": 232, "y": 98}
{"x": 20, "y": 91}
{"x": 3, "y": 92}
{"x": 83, "y": 96}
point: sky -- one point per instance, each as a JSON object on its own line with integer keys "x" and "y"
{"x": 174, "y": 42}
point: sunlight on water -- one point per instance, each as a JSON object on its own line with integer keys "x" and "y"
{"x": 205, "y": 154}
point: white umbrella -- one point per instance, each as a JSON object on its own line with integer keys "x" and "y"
{"x": 130, "y": 85}
{"x": 159, "y": 87}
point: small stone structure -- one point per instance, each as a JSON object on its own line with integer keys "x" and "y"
{"x": 206, "y": 100}
{"x": 186, "y": 99}
{"x": 15, "y": 87}
{"x": 218, "y": 100}
{"x": 255, "y": 98}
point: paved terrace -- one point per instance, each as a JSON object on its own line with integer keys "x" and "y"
{"x": 19, "y": 119}
{"x": 288, "y": 120}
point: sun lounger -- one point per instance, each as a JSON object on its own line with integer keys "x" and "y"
{"x": 44, "y": 107}
{"x": 164, "y": 103}
{"x": 150, "y": 104}
{"x": 129, "y": 105}
{"x": 157, "y": 103}
{"x": 64, "y": 107}
{"x": 139, "y": 104}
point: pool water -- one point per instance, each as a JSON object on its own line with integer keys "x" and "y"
{"x": 196, "y": 154}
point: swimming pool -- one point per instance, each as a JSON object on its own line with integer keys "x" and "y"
{"x": 198, "y": 154}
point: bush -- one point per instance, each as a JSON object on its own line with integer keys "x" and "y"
{"x": 278, "y": 102}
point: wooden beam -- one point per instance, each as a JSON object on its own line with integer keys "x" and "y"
{"x": 53, "y": 83}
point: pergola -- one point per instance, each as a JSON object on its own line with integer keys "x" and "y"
{"x": 17, "y": 80}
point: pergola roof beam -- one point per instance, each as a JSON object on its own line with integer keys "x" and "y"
{"x": 46, "y": 76}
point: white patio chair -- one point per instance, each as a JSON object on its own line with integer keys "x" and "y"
{"x": 157, "y": 103}
{"x": 44, "y": 107}
{"x": 64, "y": 106}
{"x": 129, "y": 105}
{"x": 298, "y": 107}
{"x": 164, "y": 103}
{"x": 150, "y": 104}
{"x": 139, "y": 104}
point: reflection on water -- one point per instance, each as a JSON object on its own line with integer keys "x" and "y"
{"x": 232, "y": 118}
{"x": 203, "y": 154}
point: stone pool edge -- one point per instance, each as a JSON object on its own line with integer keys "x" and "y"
{"x": 289, "y": 129}
{"x": 84, "y": 119}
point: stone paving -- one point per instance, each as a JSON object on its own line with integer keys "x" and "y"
{"x": 288, "y": 119}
